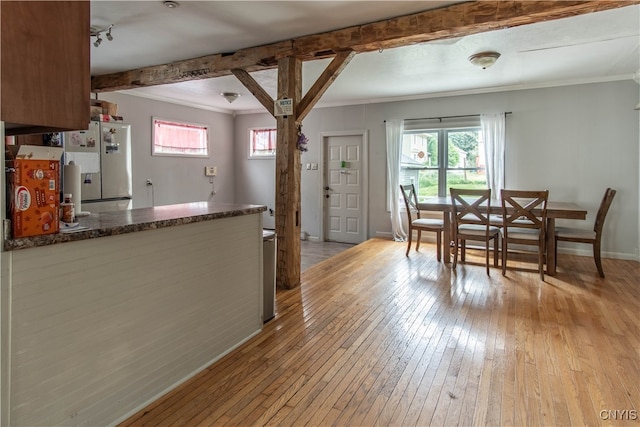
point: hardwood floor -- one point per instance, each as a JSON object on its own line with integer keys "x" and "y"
{"x": 313, "y": 252}
{"x": 376, "y": 338}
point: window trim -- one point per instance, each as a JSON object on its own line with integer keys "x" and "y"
{"x": 179, "y": 122}
{"x": 251, "y": 155}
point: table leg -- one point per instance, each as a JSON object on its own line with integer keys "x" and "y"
{"x": 551, "y": 246}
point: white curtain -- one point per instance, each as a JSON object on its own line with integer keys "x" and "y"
{"x": 394, "y": 152}
{"x": 493, "y": 132}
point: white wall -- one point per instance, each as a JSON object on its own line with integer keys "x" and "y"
{"x": 573, "y": 140}
{"x": 256, "y": 177}
{"x": 176, "y": 179}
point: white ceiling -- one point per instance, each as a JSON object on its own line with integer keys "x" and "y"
{"x": 595, "y": 47}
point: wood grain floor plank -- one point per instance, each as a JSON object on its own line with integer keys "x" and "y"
{"x": 372, "y": 337}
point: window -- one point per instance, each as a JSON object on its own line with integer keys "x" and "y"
{"x": 171, "y": 138}
{"x": 262, "y": 143}
{"x": 436, "y": 156}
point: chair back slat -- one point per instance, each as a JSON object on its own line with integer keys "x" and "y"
{"x": 609, "y": 194}
{"x": 471, "y": 209}
{"x": 471, "y": 206}
{"x": 410, "y": 200}
{"x": 524, "y": 209}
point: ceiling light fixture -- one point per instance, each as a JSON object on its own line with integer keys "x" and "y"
{"x": 171, "y": 4}
{"x": 230, "y": 96}
{"x": 484, "y": 59}
{"x": 97, "y": 33}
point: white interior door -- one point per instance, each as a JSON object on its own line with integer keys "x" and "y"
{"x": 344, "y": 188}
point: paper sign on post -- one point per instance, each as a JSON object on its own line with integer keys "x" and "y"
{"x": 283, "y": 107}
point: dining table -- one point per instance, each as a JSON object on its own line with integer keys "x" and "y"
{"x": 555, "y": 210}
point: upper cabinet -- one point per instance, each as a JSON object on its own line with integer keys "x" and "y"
{"x": 45, "y": 75}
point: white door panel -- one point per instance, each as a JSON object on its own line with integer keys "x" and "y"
{"x": 344, "y": 210}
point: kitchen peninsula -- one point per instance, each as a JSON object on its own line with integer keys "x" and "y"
{"x": 102, "y": 321}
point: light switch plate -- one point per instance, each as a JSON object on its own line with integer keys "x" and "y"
{"x": 210, "y": 171}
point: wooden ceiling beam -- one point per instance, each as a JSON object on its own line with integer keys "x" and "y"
{"x": 204, "y": 67}
{"x": 454, "y": 21}
{"x": 328, "y": 76}
{"x": 457, "y": 20}
{"x": 254, "y": 87}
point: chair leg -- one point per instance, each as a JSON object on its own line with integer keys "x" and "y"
{"x": 504, "y": 257}
{"x": 419, "y": 238}
{"x": 496, "y": 250}
{"x": 597, "y": 259}
{"x": 409, "y": 242}
{"x": 455, "y": 254}
{"x": 463, "y": 247}
{"x": 541, "y": 264}
{"x": 486, "y": 255}
{"x": 439, "y": 245}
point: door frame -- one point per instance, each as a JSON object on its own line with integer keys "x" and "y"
{"x": 364, "y": 135}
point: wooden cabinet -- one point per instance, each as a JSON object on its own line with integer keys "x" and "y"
{"x": 45, "y": 75}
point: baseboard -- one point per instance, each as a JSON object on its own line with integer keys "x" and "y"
{"x": 606, "y": 254}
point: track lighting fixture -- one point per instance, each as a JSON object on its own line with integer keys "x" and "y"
{"x": 97, "y": 33}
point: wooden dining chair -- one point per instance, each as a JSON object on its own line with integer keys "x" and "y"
{"x": 524, "y": 217}
{"x": 592, "y": 237}
{"x": 471, "y": 222}
{"x": 420, "y": 224}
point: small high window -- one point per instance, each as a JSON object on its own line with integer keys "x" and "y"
{"x": 172, "y": 138}
{"x": 262, "y": 143}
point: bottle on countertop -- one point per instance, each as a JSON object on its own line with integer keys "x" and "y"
{"x": 68, "y": 209}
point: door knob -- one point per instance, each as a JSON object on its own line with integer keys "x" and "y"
{"x": 326, "y": 196}
{"x": 327, "y": 188}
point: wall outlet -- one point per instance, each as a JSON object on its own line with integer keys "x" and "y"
{"x": 210, "y": 171}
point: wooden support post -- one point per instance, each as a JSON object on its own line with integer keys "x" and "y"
{"x": 288, "y": 175}
{"x": 288, "y": 162}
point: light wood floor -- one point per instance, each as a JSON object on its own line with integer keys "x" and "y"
{"x": 376, "y": 338}
{"x": 312, "y": 252}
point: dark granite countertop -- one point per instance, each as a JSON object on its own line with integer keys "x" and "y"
{"x": 129, "y": 221}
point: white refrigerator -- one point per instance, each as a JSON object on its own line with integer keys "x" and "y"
{"x": 103, "y": 152}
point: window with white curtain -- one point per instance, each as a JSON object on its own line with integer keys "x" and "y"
{"x": 442, "y": 153}
{"x": 262, "y": 143}
{"x": 174, "y": 138}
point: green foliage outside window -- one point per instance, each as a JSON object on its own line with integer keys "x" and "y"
{"x": 462, "y": 155}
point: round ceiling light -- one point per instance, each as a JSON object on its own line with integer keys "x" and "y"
{"x": 230, "y": 96}
{"x": 171, "y": 4}
{"x": 484, "y": 59}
